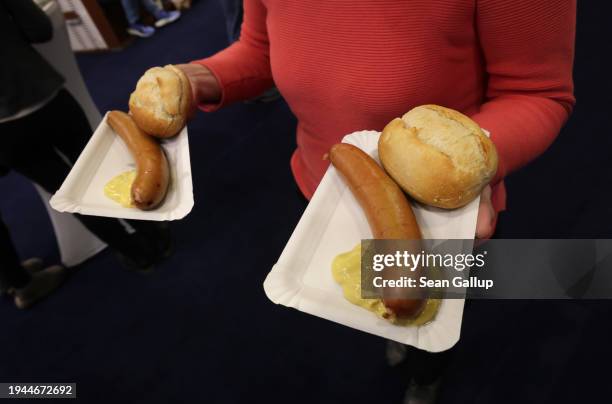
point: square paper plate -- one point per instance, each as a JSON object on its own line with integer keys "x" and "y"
{"x": 334, "y": 223}
{"x": 106, "y": 156}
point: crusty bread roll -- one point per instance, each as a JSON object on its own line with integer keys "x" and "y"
{"x": 161, "y": 102}
{"x": 438, "y": 156}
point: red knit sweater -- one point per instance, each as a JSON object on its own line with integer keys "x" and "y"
{"x": 347, "y": 65}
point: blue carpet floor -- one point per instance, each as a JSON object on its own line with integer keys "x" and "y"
{"x": 200, "y": 329}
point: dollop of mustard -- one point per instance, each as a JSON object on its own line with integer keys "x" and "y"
{"x": 346, "y": 270}
{"x": 119, "y": 188}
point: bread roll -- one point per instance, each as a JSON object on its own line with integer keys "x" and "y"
{"x": 438, "y": 156}
{"x": 161, "y": 102}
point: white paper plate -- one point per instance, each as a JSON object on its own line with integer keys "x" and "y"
{"x": 106, "y": 156}
{"x": 334, "y": 223}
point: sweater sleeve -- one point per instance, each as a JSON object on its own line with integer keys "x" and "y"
{"x": 243, "y": 69}
{"x": 528, "y": 47}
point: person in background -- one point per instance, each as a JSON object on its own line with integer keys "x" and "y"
{"x": 232, "y": 10}
{"x": 26, "y": 282}
{"x": 347, "y": 65}
{"x": 43, "y": 129}
{"x": 132, "y": 13}
{"x": 361, "y": 66}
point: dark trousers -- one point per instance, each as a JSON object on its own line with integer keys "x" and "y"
{"x": 30, "y": 146}
{"x": 12, "y": 274}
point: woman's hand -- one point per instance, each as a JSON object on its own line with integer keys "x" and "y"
{"x": 485, "y": 224}
{"x": 205, "y": 88}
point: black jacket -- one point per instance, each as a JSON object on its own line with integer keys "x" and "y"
{"x": 25, "y": 77}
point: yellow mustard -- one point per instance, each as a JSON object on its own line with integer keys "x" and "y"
{"x": 346, "y": 270}
{"x": 119, "y": 189}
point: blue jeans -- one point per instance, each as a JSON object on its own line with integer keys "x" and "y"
{"x": 132, "y": 9}
{"x": 232, "y": 9}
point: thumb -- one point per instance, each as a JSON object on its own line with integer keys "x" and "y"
{"x": 485, "y": 223}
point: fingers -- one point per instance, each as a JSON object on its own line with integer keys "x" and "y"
{"x": 485, "y": 223}
{"x": 204, "y": 85}
{"x": 188, "y": 70}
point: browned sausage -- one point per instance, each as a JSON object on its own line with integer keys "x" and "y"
{"x": 152, "y": 176}
{"x": 389, "y": 213}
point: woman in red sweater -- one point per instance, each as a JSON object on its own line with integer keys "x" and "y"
{"x": 347, "y": 65}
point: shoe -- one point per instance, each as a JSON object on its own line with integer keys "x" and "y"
{"x": 42, "y": 284}
{"x": 422, "y": 394}
{"x": 142, "y": 31}
{"x": 166, "y": 17}
{"x": 33, "y": 265}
